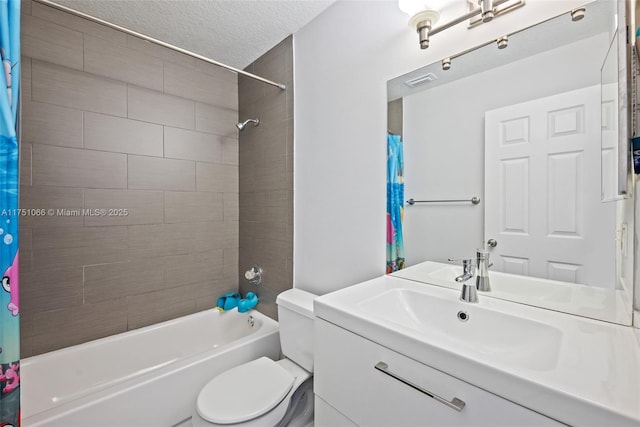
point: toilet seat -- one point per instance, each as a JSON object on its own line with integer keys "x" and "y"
{"x": 244, "y": 392}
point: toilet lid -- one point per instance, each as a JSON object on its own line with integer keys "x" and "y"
{"x": 244, "y": 392}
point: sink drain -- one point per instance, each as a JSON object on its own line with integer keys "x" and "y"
{"x": 463, "y": 316}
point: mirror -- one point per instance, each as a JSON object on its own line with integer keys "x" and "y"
{"x": 527, "y": 130}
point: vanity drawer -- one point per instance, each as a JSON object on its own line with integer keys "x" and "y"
{"x": 346, "y": 377}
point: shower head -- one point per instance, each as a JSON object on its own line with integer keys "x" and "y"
{"x": 242, "y": 125}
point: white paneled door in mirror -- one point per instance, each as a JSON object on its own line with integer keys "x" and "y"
{"x": 542, "y": 172}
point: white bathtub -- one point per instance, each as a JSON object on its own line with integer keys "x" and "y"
{"x": 146, "y": 377}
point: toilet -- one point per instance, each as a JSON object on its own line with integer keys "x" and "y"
{"x": 264, "y": 392}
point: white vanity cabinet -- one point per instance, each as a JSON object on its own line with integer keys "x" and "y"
{"x": 409, "y": 393}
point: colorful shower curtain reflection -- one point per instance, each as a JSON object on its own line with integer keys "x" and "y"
{"x": 9, "y": 213}
{"x": 395, "y": 203}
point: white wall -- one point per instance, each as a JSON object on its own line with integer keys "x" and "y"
{"x": 444, "y": 143}
{"x": 342, "y": 62}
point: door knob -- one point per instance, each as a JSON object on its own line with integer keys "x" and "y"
{"x": 492, "y": 243}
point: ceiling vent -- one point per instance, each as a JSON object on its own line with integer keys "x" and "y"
{"x": 420, "y": 80}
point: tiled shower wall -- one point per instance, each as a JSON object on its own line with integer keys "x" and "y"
{"x": 266, "y": 176}
{"x": 112, "y": 122}
{"x": 394, "y": 117}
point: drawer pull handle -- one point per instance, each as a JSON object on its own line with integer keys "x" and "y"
{"x": 455, "y": 403}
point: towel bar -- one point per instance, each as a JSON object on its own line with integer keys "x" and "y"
{"x": 475, "y": 200}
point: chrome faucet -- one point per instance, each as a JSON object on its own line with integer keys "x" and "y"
{"x": 467, "y": 268}
{"x": 482, "y": 267}
{"x": 469, "y": 292}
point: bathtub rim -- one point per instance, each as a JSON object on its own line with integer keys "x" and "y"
{"x": 269, "y": 327}
{"x": 266, "y": 321}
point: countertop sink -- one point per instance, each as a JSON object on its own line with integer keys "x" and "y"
{"x": 510, "y": 339}
{"x": 576, "y": 370}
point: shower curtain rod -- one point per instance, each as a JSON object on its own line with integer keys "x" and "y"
{"x": 158, "y": 42}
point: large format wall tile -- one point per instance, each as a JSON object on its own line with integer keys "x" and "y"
{"x": 182, "y": 206}
{"x": 51, "y": 124}
{"x": 190, "y": 145}
{"x": 53, "y": 43}
{"x": 79, "y": 24}
{"x": 124, "y": 207}
{"x": 143, "y": 310}
{"x": 231, "y": 206}
{"x": 121, "y": 63}
{"x": 25, "y": 7}
{"x": 62, "y": 247}
{"x": 230, "y": 154}
{"x": 188, "y": 269}
{"x": 230, "y": 265}
{"x": 192, "y": 84}
{"x": 25, "y": 79}
{"x": 152, "y": 173}
{"x": 108, "y": 133}
{"x": 69, "y": 88}
{"x": 25, "y": 163}
{"x": 222, "y": 74}
{"x": 62, "y": 328}
{"x": 155, "y": 107}
{"x": 112, "y": 130}
{"x": 265, "y": 156}
{"x": 60, "y": 203}
{"x": 217, "y": 120}
{"x": 216, "y": 177}
{"x": 216, "y": 235}
{"x": 152, "y": 241}
{"x": 161, "y": 52}
{"x": 64, "y": 289}
{"x": 112, "y": 281}
{"x": 72, "y": 167}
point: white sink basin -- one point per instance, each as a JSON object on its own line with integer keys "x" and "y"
{"x": 511, "y": 339}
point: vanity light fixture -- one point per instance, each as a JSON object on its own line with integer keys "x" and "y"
{"x": 486, "y": 9}
{"x": 577, "y": 14}
{"x": 424, "y": 14}
{"x": 490, "y": 10}
{"x": 502, "y": 42}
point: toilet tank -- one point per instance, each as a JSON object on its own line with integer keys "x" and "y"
{"x": 295, "y": 317}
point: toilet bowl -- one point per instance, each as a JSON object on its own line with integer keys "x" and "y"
{"x": 264, "y": 392}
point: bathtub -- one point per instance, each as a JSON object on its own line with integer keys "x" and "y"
{"x": 146, "y": 377}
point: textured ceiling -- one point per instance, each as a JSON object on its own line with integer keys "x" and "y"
{"x": 234, "y": 32}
